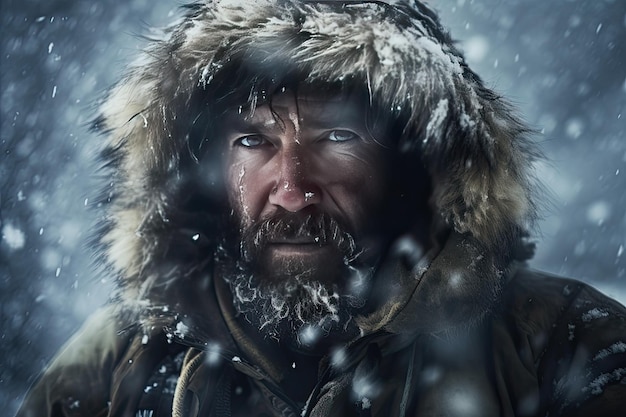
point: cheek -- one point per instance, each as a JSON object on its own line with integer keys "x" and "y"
{"x": 358, "y": 187}
{"x": 364, "y": 190}
{"x": 244, "y": 193}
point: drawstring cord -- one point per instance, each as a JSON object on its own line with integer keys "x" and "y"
{"x": 194, "y": 359}
{"x": 407, "y": 384}
{"x": 355, "y": 353}
{"x": 190, "y": 365}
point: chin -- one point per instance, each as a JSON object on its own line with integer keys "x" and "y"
{"x": 297, "y": 308}
{"x": 324, "y": 265}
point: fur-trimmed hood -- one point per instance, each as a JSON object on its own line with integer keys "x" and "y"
{"x": 474, "y": 148}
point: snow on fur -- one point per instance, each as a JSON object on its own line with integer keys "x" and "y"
{"x": 475, "y": 148}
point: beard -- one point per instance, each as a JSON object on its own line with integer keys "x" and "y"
{"x": 297, "y": 298}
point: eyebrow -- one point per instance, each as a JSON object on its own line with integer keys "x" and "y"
{"x": 244, "y": 124}
{"x": 343, "y": 116}
{"x": 316, "y": 116}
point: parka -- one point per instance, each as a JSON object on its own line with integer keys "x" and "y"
{"x": 468, "y": 330}
{"x": 552, "y": 347}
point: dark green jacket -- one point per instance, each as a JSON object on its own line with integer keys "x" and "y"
{"x": 553, "y": 347}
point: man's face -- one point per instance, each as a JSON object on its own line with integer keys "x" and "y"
{"x": 305, "y": 177}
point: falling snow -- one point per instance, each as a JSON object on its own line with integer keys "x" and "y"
{"x": 13, "y": 237}
{"x": 181, "y": 330}
{"x": 213, "y": 355}
{"x": 338, "y": 358}
{"x": 365, "y": 388}
{"x": 54, "y": 62}
{"x": 599, "y": 212}
{"x": 476, "y": 49}
{"x": 309, "y": 334}
{"x": 571, "y": 328}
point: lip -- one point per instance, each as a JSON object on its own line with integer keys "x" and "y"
{"x": 305, "y": 240}
{"x": 297, "y": 248}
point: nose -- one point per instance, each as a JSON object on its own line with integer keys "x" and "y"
{"x": 295, "y": 188}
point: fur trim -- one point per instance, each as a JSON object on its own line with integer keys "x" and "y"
{"x": 473, "y": 146}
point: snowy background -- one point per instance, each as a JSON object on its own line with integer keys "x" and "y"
{"x": 562, "y": 62}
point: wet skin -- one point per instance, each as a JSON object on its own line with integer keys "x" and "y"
{"x": 305, "y": 155}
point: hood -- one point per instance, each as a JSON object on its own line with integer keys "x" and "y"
{"x": 475, "y": 150}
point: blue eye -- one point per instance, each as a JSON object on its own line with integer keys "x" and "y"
{"x": 342, "y": 136}
{"x": 251, "y": 141}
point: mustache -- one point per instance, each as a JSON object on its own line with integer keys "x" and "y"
{"x": 320, "y": 228}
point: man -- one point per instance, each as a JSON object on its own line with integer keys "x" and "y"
{"x": 316, "y": 208}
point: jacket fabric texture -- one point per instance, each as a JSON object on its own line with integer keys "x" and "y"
{"x": 469, "y": 330}
{"x": 553, "y": 347}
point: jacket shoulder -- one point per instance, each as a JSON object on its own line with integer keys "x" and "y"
{"x": 577, "y": 338}
{"x": 539, "y": 299}
{"x": 78, "y": 380}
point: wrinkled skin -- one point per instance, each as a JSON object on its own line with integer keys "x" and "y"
{"x": 302, "y": 156}
{"x": 306, "y": 177}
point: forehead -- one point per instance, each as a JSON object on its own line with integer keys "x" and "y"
{"x": 309, "y": 107}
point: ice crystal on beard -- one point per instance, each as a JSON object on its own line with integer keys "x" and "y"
{"x": 302, "y": 304}
{"x": 358, "y": 284}
{"x": 286, "y": 308}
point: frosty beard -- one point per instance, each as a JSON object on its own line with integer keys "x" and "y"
{"x": 296, "y": 301}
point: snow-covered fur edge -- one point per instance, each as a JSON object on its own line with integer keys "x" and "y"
{"x": 475, "y": 149}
